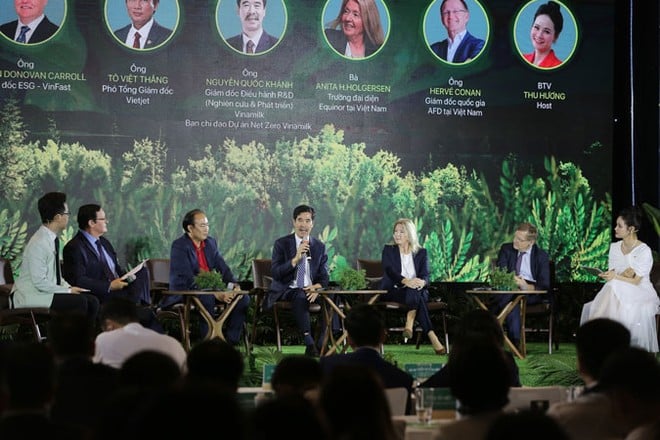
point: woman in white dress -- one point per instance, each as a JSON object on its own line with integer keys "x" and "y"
{"x": 628, "y": 295}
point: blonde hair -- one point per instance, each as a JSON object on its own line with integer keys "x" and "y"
{"x": 370, "y": 18}
{"x": 411, "y": 231}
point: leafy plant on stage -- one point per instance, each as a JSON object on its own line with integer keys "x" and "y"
{"x": 501, "y": 279}
{"x": 209, "y": 280}
{"x": 352, "y": 279}
{"x": 13, "y": 233}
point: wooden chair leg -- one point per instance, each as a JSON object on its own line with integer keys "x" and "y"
{"x": 277, "y": 328}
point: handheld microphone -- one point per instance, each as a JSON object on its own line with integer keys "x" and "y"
{"x": 307, "y": 254}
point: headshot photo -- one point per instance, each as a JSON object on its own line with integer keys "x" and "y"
{"x": 142, "y": 24}
{"x": 31, "y": 21}
{"x": 356, "y": 29}
{"x": 456, "y": 31}
{"x": 251, "y": 27}
{"x": 545, "y": 34}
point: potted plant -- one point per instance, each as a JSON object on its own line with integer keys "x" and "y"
{"x": 210, "y": 280}
{"x": 501, "y": 279}
{"x": 352, "y": 279}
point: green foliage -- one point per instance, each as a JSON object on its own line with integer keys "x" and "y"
{"x": 15, "y": 155}
{"x": 352, "y": 279}
{"x": 553, "y": 370}
{"x": 501, "y": 279}
{"x": 653, "y": 215}
{"x": 209, "y": 280}
{"x": 13, "y": 233}
{"x": 145, "y": 165}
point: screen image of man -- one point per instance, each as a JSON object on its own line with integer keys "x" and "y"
{"x": 253, "y": 38}
{"x": 460, "y": 46}
{"x": 32, "y": 25}
{"x": 144, "y": 32}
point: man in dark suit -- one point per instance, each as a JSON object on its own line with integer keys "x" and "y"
{"x": 90, "y": 261}
{"x": 144, "y": 32}
{"x": 459, "y": 46}
{"x": 196, "y": 251}
{"x": 253, "y": 38}
{"x": 32, "y": 25}
{"x": 366, "y": 333}
{"x": 299, "y": 267}
{"x": 531, "y": 265}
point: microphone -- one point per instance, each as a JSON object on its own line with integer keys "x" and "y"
{"x": 308, "y": 255}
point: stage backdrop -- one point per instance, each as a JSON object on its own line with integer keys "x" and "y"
{"x": 467, "y": 148}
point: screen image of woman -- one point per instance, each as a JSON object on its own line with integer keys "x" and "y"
{"x": 357, "y": 30}
{"x": 548, "y": 24}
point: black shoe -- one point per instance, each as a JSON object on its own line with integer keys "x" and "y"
{"x": 312, "y": 351}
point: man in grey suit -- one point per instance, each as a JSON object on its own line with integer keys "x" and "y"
{"x": 40, "y": 283}
{"x": 253, "y": 38}
{"x": 144, "y": 32}
{"x": 32, "y": 25}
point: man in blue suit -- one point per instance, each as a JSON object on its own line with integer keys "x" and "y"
{"x": 144, "y": 32}
{"x": 366, "y": 333}
{"x": 90, "y": 261}
{"x": 196, "y": 251}
{"x": 253, "y": 38}
{"x": 299, "y": 267}
{"x": 531, "y": 265}
{"x": 32, "y": 25}
{"x": 460, "y": 46}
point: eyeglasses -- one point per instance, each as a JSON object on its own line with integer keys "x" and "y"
{"x": 519, "y": 240}
{"x": 65, "y": 213}
{"x": 456, "y": 12}
{"x": 202, "y": 225}
{"x": 101, "y": 219}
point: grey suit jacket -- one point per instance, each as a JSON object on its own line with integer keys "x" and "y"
{"x": 157, "y": 35}
{"x": 37, "y": 281}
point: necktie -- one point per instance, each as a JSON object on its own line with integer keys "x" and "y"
{"x": 21, "y": 36}
{"x": 136, "y": 40}
{"x": 104, "y": 263}
{"x": 519, "y": 262}
{"x": 249, "y": 47}
{"x": 58, "y": 272}
{"x": 300, "y": 273}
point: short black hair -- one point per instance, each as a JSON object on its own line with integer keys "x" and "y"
{"x": 189, "y": 218}
{"x": 51, "y": 204}
{"x": 71, "y": 334}
{"x": 120, "y": 310}
{"x": 365, "y": 325}
{"x": 215, "y": 362}
{"x": 87, "y": 213}
{"x": 596, "y": 340}
{"x": 303, "y": 208}
{"x": 238, "y": 3}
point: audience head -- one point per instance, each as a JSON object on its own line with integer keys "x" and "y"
{"x": 71, "y": 334}
{"x": 29, "y": 376}
{"x": 117, "y": 312}
{"x": 52, "y": 204}
{"x": 478, "y": 392}
{"x": 289, "y": 416}
{"x": 480, "y": 323}
{"x": 631, "y": 377}
{"x": 365, "y": 326}
{"x": 525, "y": 425}
{"x": 595, "y": 341}
{"x": 149, "y": 370}
{"x": 354, "y": 404}
{"x": 216, "y": 362}
{"x": 297, "y": 375}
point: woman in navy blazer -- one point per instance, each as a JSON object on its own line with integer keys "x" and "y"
{"x": 406, "y": 278}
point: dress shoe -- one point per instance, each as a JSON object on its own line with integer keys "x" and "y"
{"x": 441, "y": 350}
{"x": 311, "y": 350}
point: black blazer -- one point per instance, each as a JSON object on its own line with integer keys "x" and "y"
{"x": 44, "y": 30}
{"x": 157, "y": 35}
{"x": 81, "y": 265}
{"x": 266, "y": 42}
{"x": 539, "y": 264}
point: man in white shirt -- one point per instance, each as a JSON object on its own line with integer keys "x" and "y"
{"x": 123, "y": 336}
